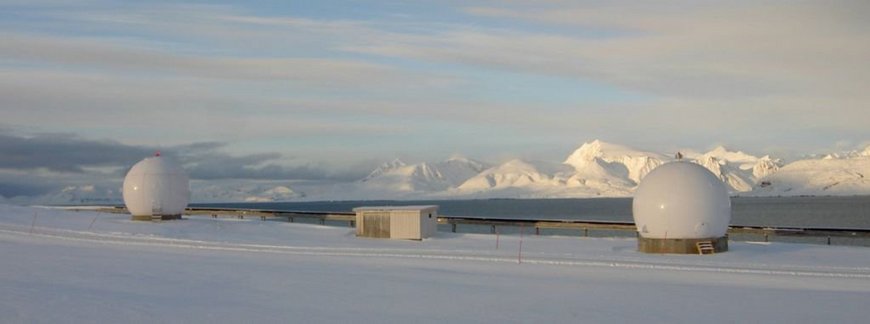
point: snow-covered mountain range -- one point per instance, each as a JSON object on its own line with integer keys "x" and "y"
{"x": 595, "y": 169}
{"x": 834, "y": 174}
{"x": 601, "y": 169}
{"x": 396, "y": 176}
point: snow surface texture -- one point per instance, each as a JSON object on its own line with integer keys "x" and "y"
{"x": 62, "y": 266}
{"x": 595, "y": 169}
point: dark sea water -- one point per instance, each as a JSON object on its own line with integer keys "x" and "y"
{"x": 852, "y": 211}
{"x": 829, "y": 212}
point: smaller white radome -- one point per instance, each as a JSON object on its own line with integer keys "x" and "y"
{"x": 156, "y": 186}
{"x": 681, "y": 200}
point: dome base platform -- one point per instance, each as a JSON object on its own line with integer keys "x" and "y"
{"x": 154, "y": 217}
{"x": 679, "y": 246}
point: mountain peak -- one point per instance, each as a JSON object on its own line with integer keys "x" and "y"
{"x": 591, "y": 150}
{"x": 607, "y": 151}
{"x": 396, "y": 163}
{"x": 458, "y": 157}
{"x": 719, "y": 149}
{"x": 384, "y": 168}
{"x": 724, "y": 154}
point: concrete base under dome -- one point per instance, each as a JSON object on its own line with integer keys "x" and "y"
{"x": 155, "y": 217}
{"x": 679, "y": 246}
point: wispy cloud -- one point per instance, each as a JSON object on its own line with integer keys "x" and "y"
{"x": 482, "y": 78}
{"x": 674, "y": 49}
{"x": 91, "y": 53}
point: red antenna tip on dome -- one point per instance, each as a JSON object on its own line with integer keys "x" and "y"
{"x": 157, "y": 153}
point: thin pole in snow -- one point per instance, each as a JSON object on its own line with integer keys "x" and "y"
{"x": 93, "y": 221}
{"x": 33, "y": 224}
{"x": 520, "y": 252}
{"x": 496, "y": 238}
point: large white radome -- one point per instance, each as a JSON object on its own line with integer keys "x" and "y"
{"x": 681, "y": 200}
{"x": 156, "y": 186}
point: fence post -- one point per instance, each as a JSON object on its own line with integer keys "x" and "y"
{"x": 520, "y": 251}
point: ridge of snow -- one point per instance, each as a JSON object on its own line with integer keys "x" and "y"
{"x": 608, "y": 178}
{"x": 514, "y": 173}
{"x": 637, "y": 163}
{"x": 385, "y": 167}
{"x": 427, "y": 177}
{"x": 765, "y": 166}
{"x": 838, "y": 176}
{"x": 736, "y": 180}
{"x": 723, "y": 154}
{"x": 241, "y": 191}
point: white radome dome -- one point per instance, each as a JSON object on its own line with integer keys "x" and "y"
{"x": 156, "y": 186}
{"x": 681, "y": 200}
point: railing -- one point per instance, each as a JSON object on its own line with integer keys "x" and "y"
{"x": 494, "y": 223}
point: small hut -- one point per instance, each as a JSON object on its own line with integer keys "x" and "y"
{"x": 397, "y": 222}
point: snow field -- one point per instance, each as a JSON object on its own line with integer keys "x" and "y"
{"x": 67, "y": 267}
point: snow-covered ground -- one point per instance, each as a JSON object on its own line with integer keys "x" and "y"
{"x": 63, "y": 266}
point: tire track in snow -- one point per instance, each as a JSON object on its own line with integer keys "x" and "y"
{"x": 448, "y": 255}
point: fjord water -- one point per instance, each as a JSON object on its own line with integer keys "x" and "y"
{"x": 831, "y": 212}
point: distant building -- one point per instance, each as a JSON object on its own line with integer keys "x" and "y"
{"x": 397, "y": 222}
{"x": 156, "y": 188}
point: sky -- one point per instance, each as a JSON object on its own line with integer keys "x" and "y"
{"x": 329, "y": 89}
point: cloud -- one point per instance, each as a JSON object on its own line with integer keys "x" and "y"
{"x": 97, "y": 53}
{"x": 476, "y": 79}
{"x": 11, "y": 188}
{"x": 252, "y": 167}
{"x": 65, "y": 154}
{"x": 676, "y": 49}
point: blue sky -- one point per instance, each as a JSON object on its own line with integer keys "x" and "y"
{"x": 343, "y": 84}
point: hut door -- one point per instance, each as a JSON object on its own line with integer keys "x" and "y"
{"x": 376, "y": 224}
